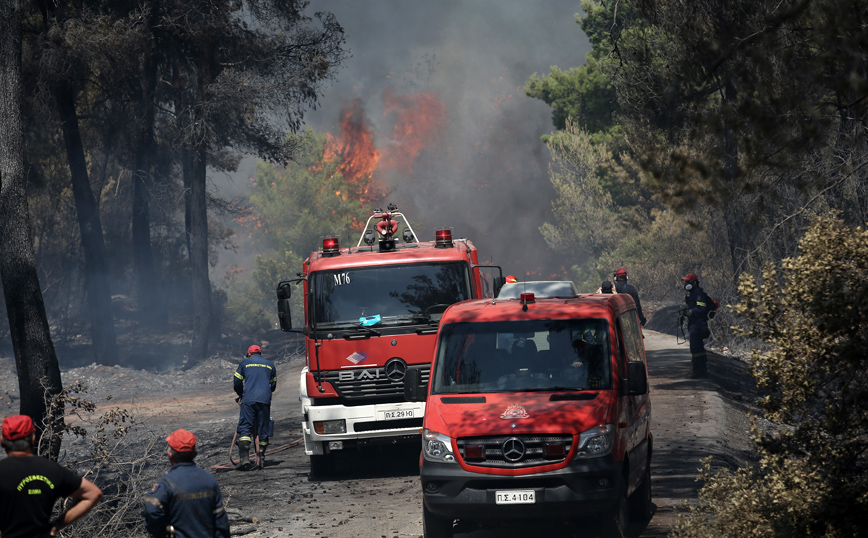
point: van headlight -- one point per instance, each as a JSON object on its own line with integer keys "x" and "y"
{"x": 596, "y": 442}
{"x": 437, "y": 447}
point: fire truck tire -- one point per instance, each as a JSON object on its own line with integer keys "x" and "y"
{"x": 322, "y": 465}
{"x": 641, "y": 507}
{"x": 435, "y": 526}
{"x": 616, "y": 522}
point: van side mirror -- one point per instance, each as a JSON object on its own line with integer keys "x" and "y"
{"x": 284, "y": 316}
{"x": 414, "y": 390}
{"x": 637, "y": 379}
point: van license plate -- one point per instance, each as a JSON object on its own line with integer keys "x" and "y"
{"x": 397, "y": 414}
{"x": 516, "y": 496}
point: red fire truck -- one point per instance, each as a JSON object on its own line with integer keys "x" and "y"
{"x": 536, "y": 408}
{"x": 371, "y": 314}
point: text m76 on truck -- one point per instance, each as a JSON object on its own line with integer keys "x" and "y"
{"x": 371, "y": 314}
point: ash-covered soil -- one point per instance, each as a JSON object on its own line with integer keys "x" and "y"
{"x": 375, "y": 493}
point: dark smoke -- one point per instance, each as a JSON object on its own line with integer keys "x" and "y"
{"x": 487, "y": 175}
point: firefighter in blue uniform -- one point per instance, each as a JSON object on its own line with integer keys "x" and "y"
{"x": 255, "y": 380}
{"x": 699, "y": 305}
{"x": 186, "y": 502}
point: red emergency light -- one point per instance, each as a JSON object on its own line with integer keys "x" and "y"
{"x": 443, "y": 238}
{"x": 474, "y": 452}
{"x": 555, "y": 449}
{"x": 527, "y": 298}
{"x": 331, "y": 246}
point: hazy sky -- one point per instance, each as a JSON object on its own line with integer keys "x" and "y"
{"x": 486, "y": 173}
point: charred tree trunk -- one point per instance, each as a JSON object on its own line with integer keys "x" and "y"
{"x": 734, "y": 218}
{"x": 35, "y": 359}
{"x": 152, "y": 307}
{"x": 96, "y": 274}
{"x": 199, "y": 259}
{"x": 201, "y": 283}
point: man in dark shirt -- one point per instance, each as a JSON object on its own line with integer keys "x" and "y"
{"x": 699, "y": 305}
{"x": 30, "y": 485}
{"x": 621, "y": 286}
{"x": 255, "y": 380}
{"x": 186, "y": 502}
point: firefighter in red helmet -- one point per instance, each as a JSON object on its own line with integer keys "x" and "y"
{"x": 621, "y": 286}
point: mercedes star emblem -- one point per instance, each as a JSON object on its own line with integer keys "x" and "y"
{"x": 513, "y": 449}
{"x": 395, "y": 369}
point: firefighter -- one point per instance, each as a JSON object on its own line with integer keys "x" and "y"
{"x": 621, "y": 286}
{"x": 510, "y": 279}
{"x": 606, "y": 287}
{"x": 186, "y": 502}
{"x": 699, "y": 304}
{"x": 29, "y": 486}
{"x": 255, "y": 380}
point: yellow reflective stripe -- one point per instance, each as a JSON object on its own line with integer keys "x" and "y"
{"x": 245, "y": 438}
{"x": 699, "y": 303}
{"x": 239, "y": 376}
{"x": 154, "y": 501}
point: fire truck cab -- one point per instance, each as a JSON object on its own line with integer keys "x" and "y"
{"x": 536, "y": 408}
{"x": 371, "y": 314}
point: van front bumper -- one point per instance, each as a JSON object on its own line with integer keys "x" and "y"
{"x": 583, "y": 488}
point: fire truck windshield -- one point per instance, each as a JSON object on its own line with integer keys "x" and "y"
{"x": 386, "y": 295}
{"x": 518, "y": 356}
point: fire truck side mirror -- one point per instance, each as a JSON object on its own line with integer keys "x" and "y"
{"x": 414, "y": 390}
{"x": 498, "y": 283}
{"x": 284, "y": 316}
{"x": 637, "y": 379}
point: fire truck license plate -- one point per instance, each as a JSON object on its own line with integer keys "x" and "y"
{"x": 397, "y": 414}
{"x": 517, "y": 496}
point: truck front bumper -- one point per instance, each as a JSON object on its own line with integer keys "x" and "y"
{"x": 365, "y": 425}
{"x": 583, "y": 488}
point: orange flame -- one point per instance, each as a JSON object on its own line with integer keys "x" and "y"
{"x": 355, "y": 152}
{"x": 420, "y": 117}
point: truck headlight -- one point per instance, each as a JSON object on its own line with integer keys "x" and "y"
{"x": 596, "y": 442}
{"x": 330, "y": 426}
{"x": 437, "y": 447}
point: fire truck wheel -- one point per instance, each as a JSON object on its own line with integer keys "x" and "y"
{"x": 641, "y": 507}
{"x": 322, "y": 465}
{"x": 435, "y": 526}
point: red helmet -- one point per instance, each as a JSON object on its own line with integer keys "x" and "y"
{"x": 621, "y": 273}
{"x": 511, "y": 278}
{"x": 691, "y": 277}
{"x": 254, "y": 349}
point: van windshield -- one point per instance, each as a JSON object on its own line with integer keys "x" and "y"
{"x": 387, "y": 294}
{"x": 516, "y": 356}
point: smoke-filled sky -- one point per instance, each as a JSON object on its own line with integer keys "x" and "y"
{"x": 481, "y": 168}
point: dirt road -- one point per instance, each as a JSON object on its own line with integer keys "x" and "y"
{"x": 377, "y": 493}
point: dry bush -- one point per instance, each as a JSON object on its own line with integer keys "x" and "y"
{"x": 102, "y": 447}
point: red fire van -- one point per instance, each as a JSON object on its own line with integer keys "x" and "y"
{"x": 536, "y": 408}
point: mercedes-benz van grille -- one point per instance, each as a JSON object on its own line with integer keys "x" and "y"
{"x": 528, "y": 451}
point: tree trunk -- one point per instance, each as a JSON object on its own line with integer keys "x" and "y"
{"x": 35, "y": 359}
{"x": 96, "y": 274}
{"x": 152, "y": 307}
{"x": 201, "y": 283}
{"x": 732, "y": 214}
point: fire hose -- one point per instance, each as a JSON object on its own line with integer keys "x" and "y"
{"x": 233, "y": 464}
